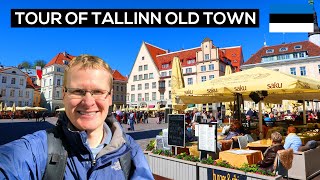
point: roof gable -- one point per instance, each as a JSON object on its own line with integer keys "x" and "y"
{"x": 311, "y": 48}
{"x": 59, "y": 59}
{"x": 154, "y": 52}
{"x": 118, "y": 76}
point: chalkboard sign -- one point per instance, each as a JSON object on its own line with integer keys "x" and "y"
{"x": 176, "y": 130}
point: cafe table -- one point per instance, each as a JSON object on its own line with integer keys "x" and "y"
{"x": 261, "y": 145}
{"x": 238, "y": 157}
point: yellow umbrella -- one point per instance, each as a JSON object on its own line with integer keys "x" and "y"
{"x": 1, "y": 106}
{"x": 207, "y": 107}
{"x": 227, "y": 72}
{"x": 60, "y": 109}
{"x": 177, "y": 82}
{"x": 114, "y": 107}
{"x": 5, "y": 107}
{"x": 13, "y": 107}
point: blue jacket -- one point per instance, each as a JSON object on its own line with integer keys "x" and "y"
{"x": 26, "y": 158}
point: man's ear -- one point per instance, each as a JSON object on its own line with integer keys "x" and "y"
{"x": 110, "y": 98}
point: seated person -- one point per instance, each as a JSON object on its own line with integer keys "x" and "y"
{"x": 292, "y": 140}
{"x": 309, "y": 145}
{"x": 270, "y": 154}
{"x": 233, "y": 131}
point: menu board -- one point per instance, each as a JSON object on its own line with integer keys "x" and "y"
{"x": 176, "y": 130}
{"x": 207, "y": 137}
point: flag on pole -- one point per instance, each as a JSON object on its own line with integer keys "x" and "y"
{"x": 39, "y": 72}
{"x": 291, "y": 18}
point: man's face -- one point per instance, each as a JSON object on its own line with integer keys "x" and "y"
{"x": 87, "y": 113}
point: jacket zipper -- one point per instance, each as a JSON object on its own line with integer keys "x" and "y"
{"x": 93, "y": 162}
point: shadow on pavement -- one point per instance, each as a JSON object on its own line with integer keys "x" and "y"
{"x": 144, "y": 134}
{"x": 15, "y": 130}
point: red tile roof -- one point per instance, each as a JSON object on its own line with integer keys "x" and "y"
{"x": 154, "y": 51}
{"x": 29, "y": 82}
{"x": 58, "y": 59}
{"x": 118, "y": 76}
{"x": 234, "y": 54}
{"x": 311, "y": 48}
{"x": 183, "y": 55}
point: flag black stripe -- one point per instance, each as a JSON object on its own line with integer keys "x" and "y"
{"x": 291, "y": 18}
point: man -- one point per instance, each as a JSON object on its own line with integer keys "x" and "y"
{"x": 94, "y": 147}
{"x": 292, "y": 140}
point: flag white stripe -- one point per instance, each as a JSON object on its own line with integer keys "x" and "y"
{"x": 291, "y": 27}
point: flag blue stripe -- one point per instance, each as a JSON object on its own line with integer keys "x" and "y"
{"x": 291, "y": 9}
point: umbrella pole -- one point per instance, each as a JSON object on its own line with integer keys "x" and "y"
{"x": 238, "y": 107}
{"x": 304, "y": 112}
{"x": 260, "y": 120}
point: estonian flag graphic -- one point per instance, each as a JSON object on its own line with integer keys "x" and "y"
{"x": 291, "y": 18}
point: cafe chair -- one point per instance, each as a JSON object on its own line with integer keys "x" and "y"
{"x": 249, "y": 138}
{"x": 283, "y": 162}
{"x": 243, "y": 141}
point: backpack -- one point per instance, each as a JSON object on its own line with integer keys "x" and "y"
{"x": 57, "y": 154}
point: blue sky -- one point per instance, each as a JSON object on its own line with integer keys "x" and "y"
{"x": 119, "y": 46}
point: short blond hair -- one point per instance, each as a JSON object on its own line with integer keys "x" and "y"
{"x": 88, "y": 62}
{"x": 276, "y": 137}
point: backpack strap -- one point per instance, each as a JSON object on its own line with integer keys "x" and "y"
{"x": 57, "y": 155}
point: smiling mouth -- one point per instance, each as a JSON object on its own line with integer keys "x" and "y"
{"x": 87, "y": 113}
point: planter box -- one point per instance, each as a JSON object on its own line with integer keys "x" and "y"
{"x": 211, "y": 172}
{"x": 172, "y": 168}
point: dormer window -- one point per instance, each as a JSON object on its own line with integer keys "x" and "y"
{"x": 164, "y": 66}
{"x": 283, "y": 49}
{"x": 297, "y": 47}
{"x": 65, "y": 62}
{"x": 269, "y": 51}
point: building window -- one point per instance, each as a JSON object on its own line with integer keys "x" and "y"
{"x": 139, "y": 86}
{"x": 162, "y": 96}
{"x": 139, "y": 97}
{"x": 58, "y": 94}
{"x": 135, "y": 78}
{"x": 154, "y": 85}
{"x": 146, "y": 96}
{"x": 163, "y": 74}
{"x": 303, "y": 71}
{"x": 189, "y": 70}
{"x": 211, "y": 77}
{"x": 145, "y": 67}
{"x": 3, "y": 92}
{"x": 49, "y": 82}
{"x": 206, "y": 57}
{"x": 295, "y": 55}
{"x": 297, "y": 47}
{"x": 142, "y": 58}
{"x": 191, "y": 61}
{"x": 121, "y": 88}
{"x": 13, "y": 81}
{"x": 4, "y": 79}
{"x": 221, "y": 68}
{"x": 117, "y": 88}
{"x": 21, "y": 81}
{"x": 169, "y": 83}
{"x": 58, "y": 82}
{"x": 269, "y": 51}
{"x": 203, "y": 78}
{"x": 203, "y": 68}
{"x": 132, "y": 98}
{"x": 20, "y": 93}
{"x": 58, "y": 69}
{"x": 49, "y": 94}
{"x": 27, "y": 94}
{"x": 164, "y": 66}
{"x": 293, "y": 71}
{"x": 170, "y": 73}
{"x": 140, "y": 77}
{"x": 146, "y": 86}
{"x": 283, "y": 49}
{"x": 301, "y": 54}
{"x": 117, "y": 97}
{"x": 150, "y": 75}
{"x": 133, "y": 87}
{"x": 145, "y": 76}
{"x": 190, "y": 81}
{"x": 154, "y": 96}
{"x": 140, "y": 68}
{"x": 169, "y": 94}
{"x": 12, "y": 93}
{"x": 211, "y": 67}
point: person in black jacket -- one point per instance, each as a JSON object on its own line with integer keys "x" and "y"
{"x": 270, "y": 154}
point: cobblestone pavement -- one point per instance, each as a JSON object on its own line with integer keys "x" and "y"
{"x": 14, "y": 129}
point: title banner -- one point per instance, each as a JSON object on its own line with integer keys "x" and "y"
{"x": 248, "y": 18}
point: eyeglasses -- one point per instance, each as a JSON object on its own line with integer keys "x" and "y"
{"x": 76, "y": 93}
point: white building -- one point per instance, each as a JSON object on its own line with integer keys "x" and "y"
{"x": 15, "y": 87}
{"x": 52, "y": 81}
{"x": 297, "y": 58}
{"x": 149, "y": 82}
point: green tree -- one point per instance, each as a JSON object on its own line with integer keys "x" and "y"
{"x": 25, "y": 65}
{"x": 40, "y": 62}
